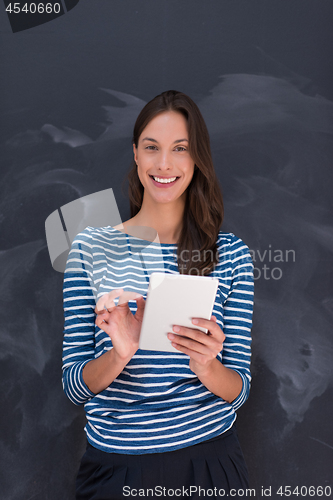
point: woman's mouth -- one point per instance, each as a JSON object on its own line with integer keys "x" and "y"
{"x": 163, "y": 181}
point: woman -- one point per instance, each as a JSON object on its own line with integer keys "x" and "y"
{"x": 158, "y": 419}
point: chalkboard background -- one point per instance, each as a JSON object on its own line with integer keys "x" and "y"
{"x": 71, "y": 89}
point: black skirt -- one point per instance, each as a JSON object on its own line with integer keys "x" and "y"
{"x": 209, "y": 469}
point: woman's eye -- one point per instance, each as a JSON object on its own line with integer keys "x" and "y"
{"x": 151, "y": 147}
{"x": 180, "y": 148}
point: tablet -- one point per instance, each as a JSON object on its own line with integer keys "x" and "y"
{"x": 174, "y": 299}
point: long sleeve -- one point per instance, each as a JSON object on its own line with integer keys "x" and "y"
{"x": 79, "y": 326}
{"x": 238, "y": 309}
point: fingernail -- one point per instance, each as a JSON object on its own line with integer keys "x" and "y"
{"x": 176, "y": 328}
{"x": 195, "y": 321}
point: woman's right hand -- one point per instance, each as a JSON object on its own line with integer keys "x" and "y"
{"x": 119, "y": 323}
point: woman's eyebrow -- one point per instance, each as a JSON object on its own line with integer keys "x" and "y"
{"x": 149, "y": 139}
{"x": 154, "y": 140}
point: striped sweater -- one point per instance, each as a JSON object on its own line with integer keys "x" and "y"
{"x": 156, "y": 403}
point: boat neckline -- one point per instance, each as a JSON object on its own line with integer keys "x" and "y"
{"x": 150, "y": 242}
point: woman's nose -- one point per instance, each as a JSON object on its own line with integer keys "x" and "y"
{"x": 164, "y": 161}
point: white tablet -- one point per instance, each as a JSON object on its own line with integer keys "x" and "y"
{"x": 174, "y": 299}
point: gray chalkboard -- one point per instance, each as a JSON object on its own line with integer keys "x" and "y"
{"x": 71, "y": 89}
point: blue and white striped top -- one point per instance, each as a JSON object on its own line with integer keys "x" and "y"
{"x": 156, "y": 403}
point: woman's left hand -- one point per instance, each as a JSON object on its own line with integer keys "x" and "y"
{"x": 201, "y": 347}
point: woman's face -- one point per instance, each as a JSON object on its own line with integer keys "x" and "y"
{"x": 162, "y": 156}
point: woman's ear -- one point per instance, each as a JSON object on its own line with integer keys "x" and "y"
{"x": 134, "y": 152}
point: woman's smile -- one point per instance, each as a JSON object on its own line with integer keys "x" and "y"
{"x": 163, "y": 182}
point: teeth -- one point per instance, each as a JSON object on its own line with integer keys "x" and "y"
{"x": 164, "y": 181}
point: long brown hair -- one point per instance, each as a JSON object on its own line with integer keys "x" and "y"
{"x": 203, "y": 213}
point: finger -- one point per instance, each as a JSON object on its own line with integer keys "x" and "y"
{"x": 141, "y": 304}
{"x": 209, "y": 324}
{"x": 101, "y": 320}
{"x": 193, "y": 355}
{"x": 126, "y": 296}
{"x": 190, "y": 344}
{"x": 107, "y": 300}
{"x": 196, "y": 335}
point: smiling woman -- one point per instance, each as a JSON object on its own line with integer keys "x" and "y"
{"x": 165, "y": 169}
{"x": 160, "y": 419}
{"x": 174, "y": 132}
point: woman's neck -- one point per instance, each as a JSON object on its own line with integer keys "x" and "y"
{"x": 165, "y": 218}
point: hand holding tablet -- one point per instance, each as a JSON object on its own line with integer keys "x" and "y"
{"x": 175, "y": 299}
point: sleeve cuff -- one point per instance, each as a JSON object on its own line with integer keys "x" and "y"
{"x": 74, "y": 385}
{"x": 243, "y": 395}
{"x": 83, "y": 387}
